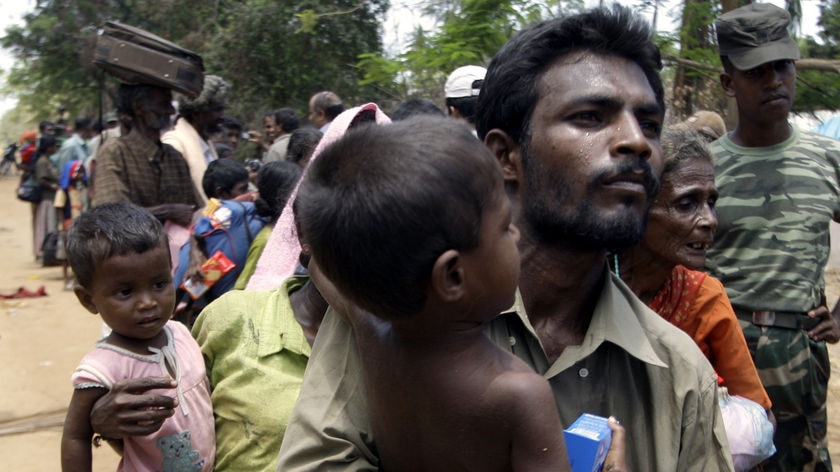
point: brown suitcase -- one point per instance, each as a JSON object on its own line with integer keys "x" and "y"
{"x": 136, "y": 56}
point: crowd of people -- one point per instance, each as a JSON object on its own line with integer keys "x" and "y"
{"x": 431, "y": 289}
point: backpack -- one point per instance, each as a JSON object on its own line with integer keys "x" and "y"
{"x": 230, "y": 228}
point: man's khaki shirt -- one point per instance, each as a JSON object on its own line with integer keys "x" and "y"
{"x": 632, "y": 365}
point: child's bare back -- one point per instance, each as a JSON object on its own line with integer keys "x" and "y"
{"x": 456, "y": 401}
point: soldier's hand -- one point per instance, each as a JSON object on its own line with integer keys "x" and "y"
{"x": 827, "y": 329}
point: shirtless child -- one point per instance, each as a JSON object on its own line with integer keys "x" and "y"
{"x": 411, "y": 223}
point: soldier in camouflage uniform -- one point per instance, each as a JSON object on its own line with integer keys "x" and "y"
{"x": 779, "y": 190}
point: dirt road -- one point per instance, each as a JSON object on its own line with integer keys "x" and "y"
{"x": 42, "y": 339}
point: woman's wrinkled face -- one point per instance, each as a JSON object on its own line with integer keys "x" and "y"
{"x": 682, "y": 220}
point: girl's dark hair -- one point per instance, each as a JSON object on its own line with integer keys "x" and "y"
{"x": 302, "y": 144}
{"x": 275, "y": 181}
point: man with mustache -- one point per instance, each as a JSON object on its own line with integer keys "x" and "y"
{"x": 779, "y": 190}
{"x": 138, "y": 168}
{"x": 572, "y": 108}
{"x": 198, "y": 119}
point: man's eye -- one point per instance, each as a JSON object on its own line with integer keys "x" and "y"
{"x": 586, "y": 117}
{"x": 651, "y": 127}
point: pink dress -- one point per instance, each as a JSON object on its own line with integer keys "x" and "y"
{"x": 186, "y": 441}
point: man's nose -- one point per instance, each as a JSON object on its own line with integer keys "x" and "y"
{"x": 630, "y": 138}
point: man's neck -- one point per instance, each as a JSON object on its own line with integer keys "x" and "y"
{"x": 752, "y": 134}
{"x": 560, "y": 287}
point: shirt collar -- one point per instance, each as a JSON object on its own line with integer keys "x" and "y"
{"x": 276, "y": 321}
{"x": 618, "y": 318}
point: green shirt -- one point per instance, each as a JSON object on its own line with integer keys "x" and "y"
{"x": 632, "y": 364}
{"x": 255, "y": 250}
{"x": 775, "y": 207}
{"x": 255, "y": 353}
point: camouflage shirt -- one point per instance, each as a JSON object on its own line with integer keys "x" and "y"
{"x": 774, "y": 211}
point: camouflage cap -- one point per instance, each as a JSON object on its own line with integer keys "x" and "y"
{"x": 755, "y": 34}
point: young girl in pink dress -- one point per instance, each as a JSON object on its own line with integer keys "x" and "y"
{"x": 120, "y": 255}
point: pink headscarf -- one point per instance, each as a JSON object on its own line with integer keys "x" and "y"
{"x": 281, "y": 254}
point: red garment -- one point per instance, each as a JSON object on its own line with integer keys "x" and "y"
{"x": 26, "y": 153}
{"x": 23, "y": 292}
{"x": 697, "y": 304}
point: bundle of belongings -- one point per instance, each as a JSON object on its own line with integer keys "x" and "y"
{"x": 135, "y": 56}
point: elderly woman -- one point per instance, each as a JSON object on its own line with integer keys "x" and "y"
{"x": 664, "y": 269}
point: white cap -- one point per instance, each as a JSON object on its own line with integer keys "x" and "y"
{"x": 460, "y": 82}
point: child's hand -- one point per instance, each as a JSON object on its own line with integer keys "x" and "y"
{"x": 127, "y": 410}
{"x": 616, "y": 460}
{"x": 197, "y": 259}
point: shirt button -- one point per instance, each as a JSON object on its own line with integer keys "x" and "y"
{"x": 512, "y": 341}
{"x": 584, "y": 372}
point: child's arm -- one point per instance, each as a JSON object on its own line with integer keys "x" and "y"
{"x": 537, "y": 443}
{"x": 76, "y": 439}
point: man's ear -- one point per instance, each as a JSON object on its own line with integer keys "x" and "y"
{"x": 85, "y": 298}
{"x": 448, "y": 276}
{"x": 507, "y": 153}
{"x": 726, "y": 83}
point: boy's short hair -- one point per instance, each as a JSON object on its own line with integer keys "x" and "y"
{"x": 107, "y": 230}
{"x": 379, "y": 206}
{"x": 222, "y": 174}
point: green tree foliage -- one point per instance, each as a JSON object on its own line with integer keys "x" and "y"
{"x": 278, "y": 54}
{"x": 272, "y": 53}
{"x": 54, "y": 50}
{"x": 467, "y": 32}
{"x": 695, "y": 89}
{"x": 815, "y": 89}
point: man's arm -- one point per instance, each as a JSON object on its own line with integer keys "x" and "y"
{"x": 109, "y": 173}
{"x": 329, "y": 429}
{"x": 76, "y": 439}
{"x": 126, "y": 410}
{"x": 703, "y": 444}
{"x": 179, "y": 213}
